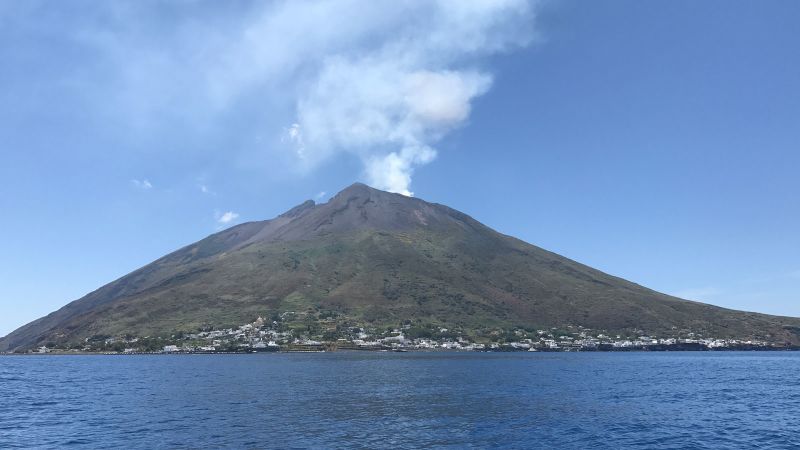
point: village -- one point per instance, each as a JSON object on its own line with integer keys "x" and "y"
{"x": 325, "y": 333}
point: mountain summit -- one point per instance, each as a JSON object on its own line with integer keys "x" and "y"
{"x": 378, "y": 259}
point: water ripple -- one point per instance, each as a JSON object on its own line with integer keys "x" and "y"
{"x": 369, "y": 400}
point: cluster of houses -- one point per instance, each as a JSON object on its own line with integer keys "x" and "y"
{"x": 265, "y": 336}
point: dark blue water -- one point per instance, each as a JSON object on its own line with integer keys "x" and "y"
{"x": 396, "y": 400}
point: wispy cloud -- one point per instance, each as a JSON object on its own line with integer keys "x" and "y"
{"x": 142, "y": 184}
{"x": 294, "y": 137}
{"x": 205, "y": 189}
{"x": 226, "y": 217}
{"x": 320, "y": 195}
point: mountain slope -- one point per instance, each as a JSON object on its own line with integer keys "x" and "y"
{"x": 379, "y": 258}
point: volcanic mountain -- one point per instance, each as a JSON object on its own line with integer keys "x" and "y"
{"x": 379, "y": 258}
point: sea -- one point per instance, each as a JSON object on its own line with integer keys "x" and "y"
{"x": 665, "y": 400}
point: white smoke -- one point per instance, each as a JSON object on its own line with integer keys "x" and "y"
{"x": 385, "y": 112}
{"x": 389, "y": 105}
{"x": 392, "y": 172}
{"x": 382, "y": 80}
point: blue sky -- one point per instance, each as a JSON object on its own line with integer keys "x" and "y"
{"x": 655, "y": 141}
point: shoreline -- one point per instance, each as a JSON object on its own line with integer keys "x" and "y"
{"x": 706, "y": 350}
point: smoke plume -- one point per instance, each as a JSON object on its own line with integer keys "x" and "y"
{"x": 392, "y": 102}
{"x": 384, "y": 81}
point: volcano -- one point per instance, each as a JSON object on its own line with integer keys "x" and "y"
{"x": 378, "y": 259}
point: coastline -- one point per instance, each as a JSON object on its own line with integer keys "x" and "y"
{"x": 448, "y": 351}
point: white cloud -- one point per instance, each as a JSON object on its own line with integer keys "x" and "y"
{"x": 294, "y": 136}
{"x": 702, "y": 294}
{"x": 226, "y": 217}
{"x": 142, "y": 184}
{"x": 320, "y": 195}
